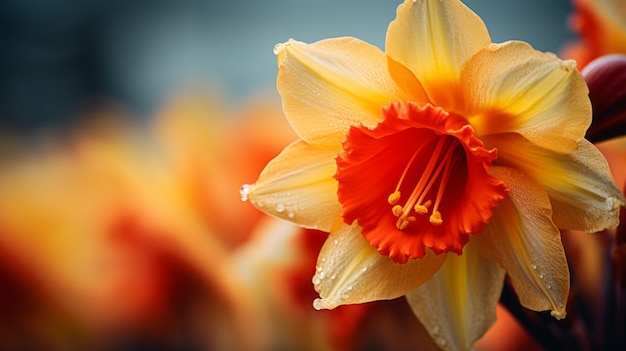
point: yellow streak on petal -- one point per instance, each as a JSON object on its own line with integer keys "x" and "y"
{"x": 582, "y": 191}
{"x": 458, "y": 304}
{"x": 511, "y": 87}
{"x": 434, "y": 39}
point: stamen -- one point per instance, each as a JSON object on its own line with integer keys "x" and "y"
{"x": 436, "y": 164}
{"x": 397, "y": 210}
{"x": 435, "y": 218}
{"x": 422, "y": 209}
{"x": 403, "y": 222}
{"x": 393, "y": 197}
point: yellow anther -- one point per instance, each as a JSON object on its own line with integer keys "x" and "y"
{"x": 403, "y": 222}
{"x": 435, "y": 218}
{"x": 422, "y": 209}
{"x": 397, "y": 210}
{"x": 393, "y": 198}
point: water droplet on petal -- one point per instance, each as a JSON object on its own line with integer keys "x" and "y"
{"x": 244, "y": 192}
{"x": 280, "y": 207}
{"x": 278, "y": 48}
{"x": 534, "y": 266}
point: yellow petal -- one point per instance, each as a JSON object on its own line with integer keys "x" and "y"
{"x": 298, "y": 186}
{"x": 511, "y": 87}
{"x": 589, "y": 186}
{"x": 582, "y": 191}
{"x": 350, "y": 271}
{"x": 332, "y": 84}
{"x": 434, "y": 39}
{"x": 458, "y": 304}
{"x": 522, "y": 237}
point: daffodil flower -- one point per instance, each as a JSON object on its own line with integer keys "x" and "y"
{"x": 438, "y": 167}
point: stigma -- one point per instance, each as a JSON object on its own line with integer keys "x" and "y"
{"x": 431, "y": 182}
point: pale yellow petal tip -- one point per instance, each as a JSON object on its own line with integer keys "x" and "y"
{"x": 278, "y": 48}
{"x": 569, "y": 65}
{"x": 323, "y": 304}
{"x": 558, "y": 314}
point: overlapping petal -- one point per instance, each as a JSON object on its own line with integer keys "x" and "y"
{"x": 349, "y": 270}
{"x": 511, "y": 87}
{"x": 580, "y": 186}
{"x": 329, "y": 85}
{"x": 458, "y": 304}
{"x": 525, "y": 241}
{"x": 298, "y": 186}
{"x": 434, "y": 39}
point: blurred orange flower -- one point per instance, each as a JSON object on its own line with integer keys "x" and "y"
{"x": 126, "y": 235}
{"x": 601, "y": 25}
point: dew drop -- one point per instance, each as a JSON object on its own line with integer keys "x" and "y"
{"x": 290, "y": 214}
{"x": 244, "y": 192}
{"x": 316, "y": 280}
{"x": 345, "y": 295}
{"x": 321, "y": 275}
{"x": 363, "y": 270}
{"x": 435, "y": 331}
{"x": 278, "y": 48}
{"x": 280, "y": 207}
{"x": 541, "y": 276}
{"x": 318, "y": 268}
{"x": 549, "y": 286}
{"x": 534, "y": 266}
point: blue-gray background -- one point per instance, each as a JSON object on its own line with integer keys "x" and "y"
{"x": 57, "y": 56}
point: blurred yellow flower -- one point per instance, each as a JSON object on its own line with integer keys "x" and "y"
{"x": 437, "y": 166}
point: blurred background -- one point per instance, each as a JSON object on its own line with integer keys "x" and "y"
{"x": 126, "y": 130}
{"x": 57, "y": 57}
